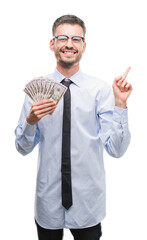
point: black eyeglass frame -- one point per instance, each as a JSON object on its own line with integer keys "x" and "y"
{"x": 78, "y": 38}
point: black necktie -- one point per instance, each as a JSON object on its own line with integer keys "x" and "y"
{"x": 66, "y": 164}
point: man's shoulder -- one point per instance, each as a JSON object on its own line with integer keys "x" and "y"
{"x": 50, "y": 75}
{"x": 95, "y": 81}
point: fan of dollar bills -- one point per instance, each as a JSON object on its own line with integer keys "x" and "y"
{"x": 43, "y": 88}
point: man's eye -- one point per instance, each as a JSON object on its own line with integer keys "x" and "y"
{"x": 76, "y": 39}
{"x": 62, "y": 38}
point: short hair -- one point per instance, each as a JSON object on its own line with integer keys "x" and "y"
{"x": 71, "y": 19}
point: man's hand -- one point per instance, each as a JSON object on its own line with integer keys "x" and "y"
{"x": 41, "y": 109}
{"x": 122, "y": 89}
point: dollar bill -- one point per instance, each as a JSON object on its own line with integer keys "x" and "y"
{"x": 42, "y": 88}
{"x": 58, "y": 91}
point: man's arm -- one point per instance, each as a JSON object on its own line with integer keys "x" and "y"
{"x": 27, "y": 132}
{"x": 113, "y": 117}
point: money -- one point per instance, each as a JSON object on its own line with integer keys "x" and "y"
{"x": 42, "y": 88}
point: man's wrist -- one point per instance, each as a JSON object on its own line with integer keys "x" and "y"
{"x": 28, "y": 129}
{"x": 120, "y": 104}
{"x": 29, "y": 121}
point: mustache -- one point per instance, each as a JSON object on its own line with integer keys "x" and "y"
{"x": 66, "y": 48}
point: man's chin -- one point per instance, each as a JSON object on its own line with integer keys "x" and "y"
{"x": 67, "y": 63}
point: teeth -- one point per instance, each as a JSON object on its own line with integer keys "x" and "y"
{"x": 69, "y": 52}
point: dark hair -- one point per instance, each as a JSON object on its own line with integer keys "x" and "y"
{"x": 71, "y": 19}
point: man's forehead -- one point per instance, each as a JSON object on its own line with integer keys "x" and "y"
{"x": 66, "y": 28}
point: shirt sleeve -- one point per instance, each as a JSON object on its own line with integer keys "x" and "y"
{"x": 114, "y": 131}
{"x": 27, "y": 136}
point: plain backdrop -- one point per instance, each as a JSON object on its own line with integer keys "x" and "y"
{"x": 116, "y": 38}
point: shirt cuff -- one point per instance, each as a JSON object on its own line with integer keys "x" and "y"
{"x": 28, "y": 129}
{"x": 120, "y": 115}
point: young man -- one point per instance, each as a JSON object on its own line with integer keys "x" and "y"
{"x": 70, "y": 190}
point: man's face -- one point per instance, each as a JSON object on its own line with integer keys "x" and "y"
{"x": 68, "y": 52}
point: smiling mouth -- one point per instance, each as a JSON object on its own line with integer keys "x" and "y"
{"x": 68, "y": 51}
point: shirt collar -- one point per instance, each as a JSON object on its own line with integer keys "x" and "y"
{"x": 76, "y": 78}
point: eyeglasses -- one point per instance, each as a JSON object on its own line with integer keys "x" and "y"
{"x": 64, "y": 38}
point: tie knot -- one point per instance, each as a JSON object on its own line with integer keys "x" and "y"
{"x": 66, "y": 82}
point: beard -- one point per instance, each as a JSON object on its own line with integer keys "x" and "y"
{"x": 68, "y": 62}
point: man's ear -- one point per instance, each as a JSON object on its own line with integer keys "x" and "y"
{"x": 51, "y": 44}
{"x": 84, "y": 46}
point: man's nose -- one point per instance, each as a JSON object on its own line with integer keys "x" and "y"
{"x": 69, "y": 42}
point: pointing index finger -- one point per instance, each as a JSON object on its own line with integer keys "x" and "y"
{"x": 126, "y": 73}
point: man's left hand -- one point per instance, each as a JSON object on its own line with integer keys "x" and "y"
{"x": 122, "y": 89}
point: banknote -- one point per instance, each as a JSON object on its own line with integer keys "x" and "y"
{"x": 58, "y": 91}
{"x": 42, "y": 88}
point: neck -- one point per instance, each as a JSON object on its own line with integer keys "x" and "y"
{"x": 68, "y": 71}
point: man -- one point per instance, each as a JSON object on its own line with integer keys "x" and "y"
{"x": 98, "y": 120}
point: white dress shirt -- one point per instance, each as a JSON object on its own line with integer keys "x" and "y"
{"x": 95, "y": 124}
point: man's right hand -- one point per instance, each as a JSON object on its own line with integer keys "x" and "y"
{"x": 40, "y": 109}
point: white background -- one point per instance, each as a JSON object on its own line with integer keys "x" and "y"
{"x": 116, "y": 38}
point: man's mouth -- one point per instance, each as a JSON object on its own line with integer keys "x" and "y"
{"x": 68, "y": 51}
